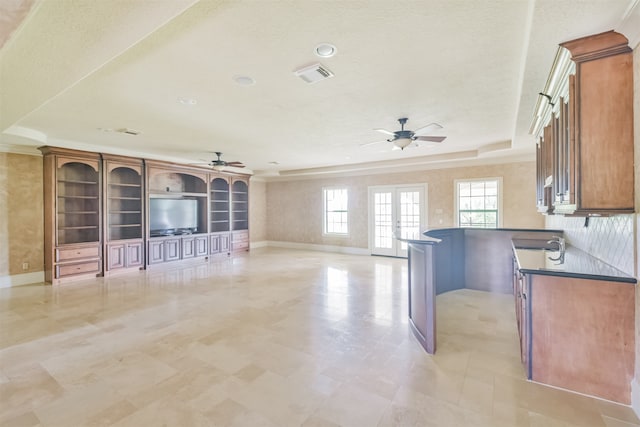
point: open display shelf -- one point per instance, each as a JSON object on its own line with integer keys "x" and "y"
{"x": 219, "y": 205}
{"x": 106, "y": 213}
{"x": 124, "y": 204}
{"x": 240, "y": 205}
{"x": 78, "y": 201}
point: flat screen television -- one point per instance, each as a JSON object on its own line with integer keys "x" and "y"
{"x": 170, "y": 216}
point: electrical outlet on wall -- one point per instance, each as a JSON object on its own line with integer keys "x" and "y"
{"x": 25, "y": 266}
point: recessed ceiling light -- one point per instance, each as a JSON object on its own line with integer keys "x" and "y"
{"x": 244, "y": 80}
{"x": 187, "y": 101}
{"x": 274, "y": 163}
{"x": 325, "y": 50}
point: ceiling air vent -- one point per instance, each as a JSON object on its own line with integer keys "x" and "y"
{"x": 313, "y": 73}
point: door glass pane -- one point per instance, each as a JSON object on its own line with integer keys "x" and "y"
{"x": 383, "y": 220}
{"x": 409, "y": 215}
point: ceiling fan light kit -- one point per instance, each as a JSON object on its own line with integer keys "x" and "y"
{"x": 402, "y": 143}
{"x": 403, "y": 138}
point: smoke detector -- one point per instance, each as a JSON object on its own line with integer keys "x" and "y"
{"x": 313, "y": 73}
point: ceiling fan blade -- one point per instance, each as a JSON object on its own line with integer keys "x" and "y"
{"x": 388, "y": 132}
{"x": 235, "y": 164}
{"x": 431, "y": 138}
{"x": 428, "y": 128}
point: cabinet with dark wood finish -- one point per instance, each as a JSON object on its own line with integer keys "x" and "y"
{"x": 219, "y": 243}
{"x": 188, "y": 247}
{"x": 240, "y": 215}
{"x": 155, "y": 251}
{"x": 582, "y": 335}
{"x": 520, "y": 291}
{"x": 179, "y": 182}
{"x": 124, "y": 255}
{"x": 219, "y": 214}
{"x": 124, "y": 212}
{"x": 163, "y": 249}
{"x": 172, "y": 249}
{"x": 194, "y": 246}
{"x": 590, "y": 131}
{"x": 72, "y": 212}
{"x": 97, "y": 213}
{"x": 201, "y": 245}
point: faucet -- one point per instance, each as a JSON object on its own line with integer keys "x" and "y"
{"x": 561, "y": 248}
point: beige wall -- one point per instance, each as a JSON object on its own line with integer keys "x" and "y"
{"x": 258, "y": 210}
{"x": 294, "y": 211}
{"x": 636, "y": 129}
{"x": 21, "y": 220}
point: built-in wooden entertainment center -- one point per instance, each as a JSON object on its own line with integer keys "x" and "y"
{"x": 106, "y": 213}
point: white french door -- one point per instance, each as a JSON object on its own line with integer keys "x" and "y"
{"x": 395, "y": 210}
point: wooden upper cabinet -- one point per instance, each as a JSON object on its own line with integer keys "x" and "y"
{"x": 544, "y": 180}
{"x": 594, "y": 139}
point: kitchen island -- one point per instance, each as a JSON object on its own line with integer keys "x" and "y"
{"x": 574, "y": 314}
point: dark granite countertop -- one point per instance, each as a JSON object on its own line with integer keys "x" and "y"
{"x": 535, "y": 260}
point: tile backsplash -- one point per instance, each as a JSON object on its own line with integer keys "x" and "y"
{"x": 610, "y": 239}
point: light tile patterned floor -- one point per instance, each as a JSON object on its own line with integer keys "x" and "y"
{"x": 273, "y": 338}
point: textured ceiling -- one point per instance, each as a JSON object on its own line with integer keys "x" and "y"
{"x": 76, "y": 70}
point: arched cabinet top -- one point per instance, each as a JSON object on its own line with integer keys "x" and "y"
{"x": 167, "y": 181}
{"x": 114, "y": 166}
{"x": 218, "y": 178}
{"x": 63, "y": 161}
{"x": 240, "y": 185}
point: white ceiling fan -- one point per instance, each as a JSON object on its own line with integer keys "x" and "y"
{"x": 403, "y": 138}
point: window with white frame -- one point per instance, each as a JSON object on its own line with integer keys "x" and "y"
{"x": 335, "y": 211}
{"x": 478, "y": 203}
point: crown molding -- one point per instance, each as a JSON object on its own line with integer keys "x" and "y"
{"x": 19, "y": 149}
{"x": 630, "y": 25}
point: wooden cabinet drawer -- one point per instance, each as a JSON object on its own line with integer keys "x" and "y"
{"x": 81, "y": 268}
{"x": 240, "y": 245}
{"x": 240, "y": 236}
{"x": 69, "y": 254}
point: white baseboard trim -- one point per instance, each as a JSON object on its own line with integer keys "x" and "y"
{"x": 322, "y": 248}
{"x": 21, "y": 279}
{"x": 260, "y": 244}
{"x": 635, "y": 396}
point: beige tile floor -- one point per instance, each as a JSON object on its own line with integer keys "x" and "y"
{"x": 273, "y": 338}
